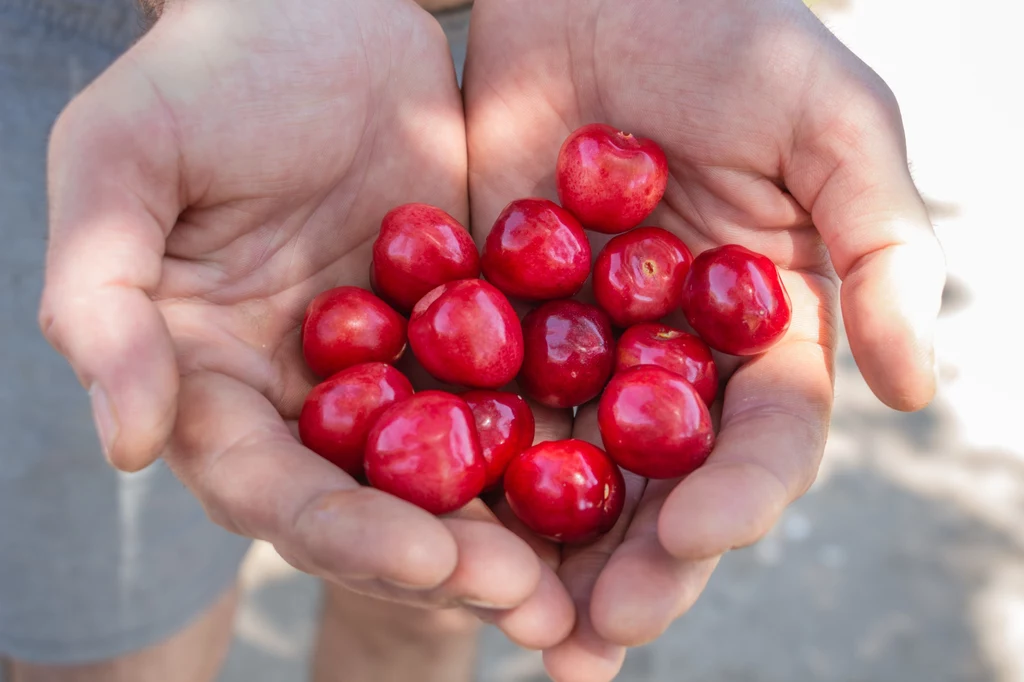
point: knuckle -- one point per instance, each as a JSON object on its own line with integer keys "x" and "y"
{"x": 875, "y": 109}
{"x": 73, "y": 121}
{"x": 47, "y": 319}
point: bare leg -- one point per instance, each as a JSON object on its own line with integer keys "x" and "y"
{"x": 366, "y": 640}
{"x": 194, "y": 654}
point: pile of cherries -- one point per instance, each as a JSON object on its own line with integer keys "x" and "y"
{"x": 439, "y": 449}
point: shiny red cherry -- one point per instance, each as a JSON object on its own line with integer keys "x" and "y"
{"x": 467, "y": 333}
{"x": 348, "y": 326}
{"x": 609, "y": 179}
{"x": 638, "y": 276}
{"x": 425, "y": 450}
{"x": 505, "y": 425}
{"x": 419, "y": 248}
{"x": 676, "y": 351}
{"x": 536, "y": 251}
{"x": 569, "y": 353}
{"x": 567, "y": 491}
{"x": 654, "y": 423}
{"x": 337, "y": 415}
{"x": 735, "y": 300}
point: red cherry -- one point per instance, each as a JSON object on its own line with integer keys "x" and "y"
{"x": 536, "y": 251}
{"x": 654, "y": 423}
{"x": 567, "y": 490}
{"x": 467, "y": 333}
{"x": 338, "y": 413}
{"x": 505, "y": 425}
{"x": 425, "y": 450}
{"x": 348, "y": 326}
{"x": 639, "y": 275}
{"x": 676, "y": 351}
{"x": 609, "y": 179}
{"x": 569, "y": 353}
{"x": 735, "y": 300}
{"x": 419, "y": 248}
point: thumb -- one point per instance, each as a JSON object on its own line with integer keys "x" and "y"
{"x": 114, "y": 188}
{"x": 850, "y": 168}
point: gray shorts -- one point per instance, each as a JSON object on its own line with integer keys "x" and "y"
{"x": 93, "y": 563}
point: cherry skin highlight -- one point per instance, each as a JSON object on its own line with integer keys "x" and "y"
{"x": 505, "y": 425}
{"x": 536, "y": 251}
{"x": 425, "y": 450}
{"x": 348, "y": 326}
{"x": 569, "y": 353}
{"x": 736, "y": 301}
{"x": 609, "y": 179}
{"x": 419, "y": 248}
{"x": 638, "y": 276}
{"x": 672, "y": 349}
{"x": 338, "y": 413}
{"x": 566, "y": 491}
{"x": 654, "y": 423}
{"x": 467, "y": 333}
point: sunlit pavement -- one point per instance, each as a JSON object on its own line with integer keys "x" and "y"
{"x": 905, "y": 562}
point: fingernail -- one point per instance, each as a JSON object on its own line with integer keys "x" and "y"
{"x": 103, "y": 415}
{"x": 489, "y": 616}
{"x": 474, "y": 604}
{"x": 406, "y": 586}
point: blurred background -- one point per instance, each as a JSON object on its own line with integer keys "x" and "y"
{"x": 905, "y": 562}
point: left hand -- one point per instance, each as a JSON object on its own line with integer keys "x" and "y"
{"x": 779, "y": 139}
{"x": 235, "y": 162}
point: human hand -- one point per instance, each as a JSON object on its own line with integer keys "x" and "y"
{"x": 779, "y": 139}
{"x": 233, "y": 164}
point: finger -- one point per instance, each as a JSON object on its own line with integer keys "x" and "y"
{"x": 545, "y": 618}
{"x": 232, "y": 450}
{"x": 643, "y": 588}
{"x": 849, "y": 168}
{"x": 585, "y": 655}
{"x": 542, "y": 621}
{"x": 493, "y": 572}
{"x": 775, "y": 419}
{"x": 113, "y": 184}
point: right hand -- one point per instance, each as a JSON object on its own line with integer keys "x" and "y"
{"x": 778, "y": 138}
{"x": 231, "y": 165}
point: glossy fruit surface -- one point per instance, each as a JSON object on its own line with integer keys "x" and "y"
{"x": 419, "y": 248}
{"x": 609, "y": 179}
{"x": 425, "y": 450}
{"x": 567, "y": 490}
{"x": 736, "y": 301}
{"x": 505, "y": 425}
{"x": 569, "y": 353}
{"x": 348, "y": 326}
{"x": 675, "y": 350}
{"x": 536, "y": 251}
{"x": 338, "y": 413}
{"x": 638, "y": 276}
{"x": 467, "y": 333}
{"x": 654, "y": 423}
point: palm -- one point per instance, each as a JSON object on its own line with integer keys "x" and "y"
{"x": 733, "y": 92}
{"x": 286, "y": 188}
